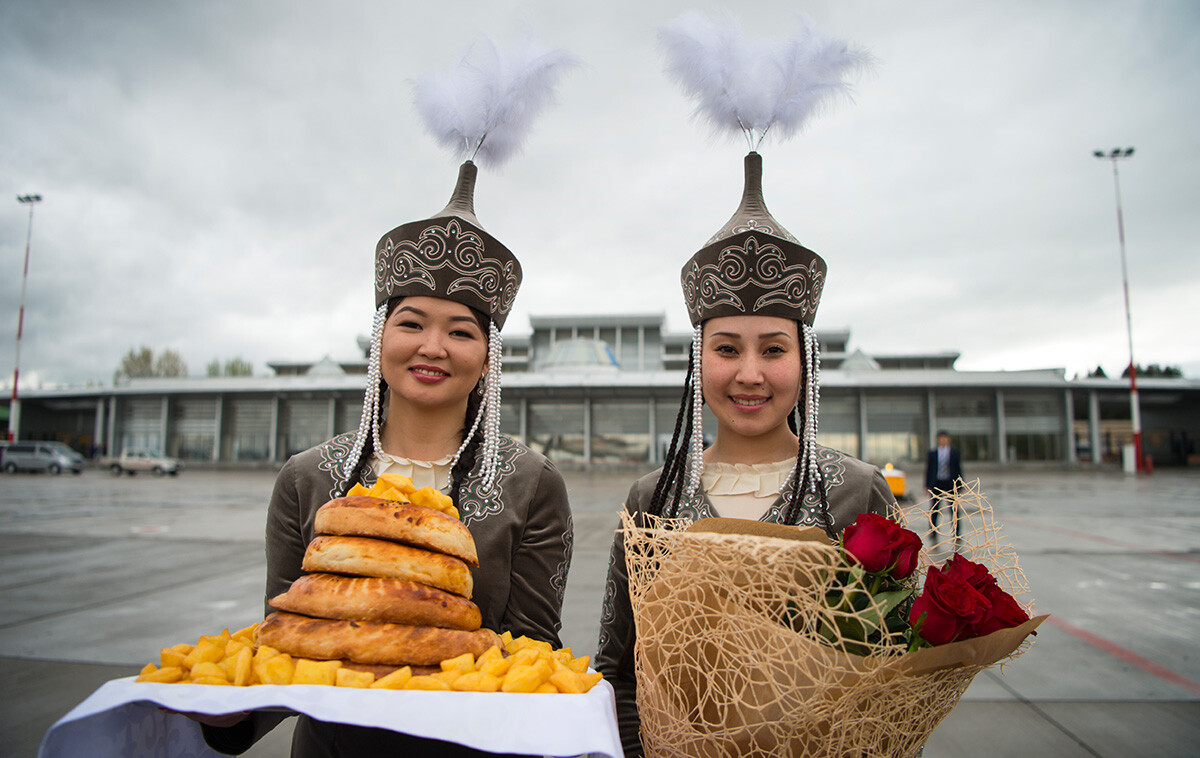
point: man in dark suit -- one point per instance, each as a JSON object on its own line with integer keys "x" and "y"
{"x": 943, "y": 472}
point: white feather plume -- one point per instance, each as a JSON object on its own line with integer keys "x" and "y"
{"x": 750, "y": 87}
{"x": 484, "y": 107}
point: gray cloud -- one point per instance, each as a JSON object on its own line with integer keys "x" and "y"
{"x": 216, "y": 175}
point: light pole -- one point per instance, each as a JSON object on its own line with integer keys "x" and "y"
{"x": 14, "y": 407}
{"x": 1115, "y": 155}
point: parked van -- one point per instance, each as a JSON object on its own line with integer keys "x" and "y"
{"x": 54, "y": 457}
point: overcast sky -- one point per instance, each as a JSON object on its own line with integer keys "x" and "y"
{"x": 216, "y": 174}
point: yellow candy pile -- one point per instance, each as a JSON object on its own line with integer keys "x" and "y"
{"x": 524, "y": 665}
{"x": 400, "y": 489}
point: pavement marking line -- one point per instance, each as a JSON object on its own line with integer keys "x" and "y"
{"x": 1127, "y": 655}
{"x": 1103, "y": 540}
{"x": 999, "y": 680}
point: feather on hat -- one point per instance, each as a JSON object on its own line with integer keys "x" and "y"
{"x": 753, "y": 264}
{"x": 482, "y": 108}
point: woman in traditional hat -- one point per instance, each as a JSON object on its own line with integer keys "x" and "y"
{"x": 752, "y": 293}
{"x": 443, "y": 289}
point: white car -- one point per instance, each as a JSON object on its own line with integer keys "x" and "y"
{"x": 132, "y": 461}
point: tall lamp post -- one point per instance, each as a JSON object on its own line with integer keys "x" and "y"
{"x": 1115, "y": 155}
{"x": 14, "y": 408}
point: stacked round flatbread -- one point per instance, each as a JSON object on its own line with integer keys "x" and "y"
{"x": 388, "y": 585}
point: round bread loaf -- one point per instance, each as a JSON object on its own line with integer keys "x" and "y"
{"x": 396, "y": 601}
{"x": 373, "y": 642}
{"x": 416, "y": 525}
{"x": 364, "y": 556}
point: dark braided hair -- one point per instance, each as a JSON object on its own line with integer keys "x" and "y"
{"x": 800, "y": 483}
{"x": 670, "y": 484}
{"x": 364, "y": 455}
{"x": 466, "y": 461}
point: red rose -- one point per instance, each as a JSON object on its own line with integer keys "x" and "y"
{"x": 879, "y": 544}
{"x": 951, "y": 606}
{"x": 1005, "y": 612}
{"x": 974, "y": 574}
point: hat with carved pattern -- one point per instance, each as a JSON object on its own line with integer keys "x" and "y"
{"x": 449, "y": 255}
{"x": 753, "y": 265}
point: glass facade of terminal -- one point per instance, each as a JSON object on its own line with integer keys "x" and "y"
{"x": 606, "y": 391}
{"x": 586, "y": 425}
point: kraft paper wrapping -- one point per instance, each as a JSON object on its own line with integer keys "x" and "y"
{"x": 723, "y": 669}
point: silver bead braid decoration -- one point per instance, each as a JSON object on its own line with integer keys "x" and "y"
{"x": 491, "y": 421}
{"x": 695, "y": 459}
{"x": 812, "y": 402}
{"x": 369, "y": 421}
{"x": 466, "y": 440}
{"x": 488, "y": 415}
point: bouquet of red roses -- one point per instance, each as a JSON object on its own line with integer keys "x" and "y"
{"x": 960, "y": 600}
{"x": 763, "y": 640}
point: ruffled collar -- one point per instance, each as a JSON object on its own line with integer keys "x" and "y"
{"x": 761, "y": 480}
{"x": 422, "y": 473}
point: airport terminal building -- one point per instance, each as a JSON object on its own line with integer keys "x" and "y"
{"x": 605, "y": 390}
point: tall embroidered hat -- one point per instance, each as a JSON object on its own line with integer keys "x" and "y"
{"x": 481, "y": 109}
{"x": 449, "y": 255}
{"x": 753, "y": 265}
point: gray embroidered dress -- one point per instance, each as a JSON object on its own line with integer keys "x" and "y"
{"x": 523, "y": 534}
{"x": 853, "y": 488}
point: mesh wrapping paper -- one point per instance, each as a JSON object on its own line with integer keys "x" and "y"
{"x": 729, "y": 659}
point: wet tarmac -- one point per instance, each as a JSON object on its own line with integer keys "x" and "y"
{"x": 98, "y": 573}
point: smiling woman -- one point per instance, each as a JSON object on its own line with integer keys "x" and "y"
{"x": 431, "y": 412}
{"x": 752, "y": 293}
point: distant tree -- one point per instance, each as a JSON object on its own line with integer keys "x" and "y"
{"x": 170, "y": 363}
{"x": 1154, "y": 371}
{"x": 238, "y": 367}
{"x": 233, "y": 367}
{"x": 136, "y": 363}
{"x": 140, "y": 362}
{"x": 1098, "y": 373}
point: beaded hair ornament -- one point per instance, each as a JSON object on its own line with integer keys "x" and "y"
{"x": 482, "y": 109}
{"x": 752, "y": 265}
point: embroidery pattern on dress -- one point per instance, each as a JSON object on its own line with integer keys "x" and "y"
{"x": 471, "y": 505}
{"x": 458, "y": 251}
{"x": 761, "y": 268}
{"x": 694, "y": 509}
{"x": 607, "y": 611}
{"x": 559, "y": 580}
{"x": 333, "y": 455}
{"x": 833, "y": 472}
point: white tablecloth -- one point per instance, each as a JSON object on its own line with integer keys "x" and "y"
{"x": 124, "y": 718}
